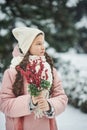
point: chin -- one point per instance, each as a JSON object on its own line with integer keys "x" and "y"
{"x": 42, "y": 55}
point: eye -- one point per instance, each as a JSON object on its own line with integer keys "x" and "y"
{"x": 39, "y": 43}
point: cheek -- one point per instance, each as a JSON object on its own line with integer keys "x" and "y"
{"x": 33, "y": 51}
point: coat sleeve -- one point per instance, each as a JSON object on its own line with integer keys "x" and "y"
{"x": 58, "y": 98}
{"x": 9, "y": 104}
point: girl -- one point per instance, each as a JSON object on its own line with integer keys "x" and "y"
{"x": 15, "y": 101}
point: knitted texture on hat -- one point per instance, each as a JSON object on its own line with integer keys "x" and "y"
{"x": 25, "y": 36}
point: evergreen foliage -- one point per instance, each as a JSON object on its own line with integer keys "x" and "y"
{"x": 54, "y": 17}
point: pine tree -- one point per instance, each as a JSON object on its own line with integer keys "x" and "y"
{"x": 54, "y": 17}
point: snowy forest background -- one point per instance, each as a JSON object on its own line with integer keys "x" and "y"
{"x": 65, "y": 25}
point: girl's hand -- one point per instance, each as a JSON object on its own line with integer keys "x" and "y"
{"x": 41, "y": 102}
{"x": 34, "y": 100}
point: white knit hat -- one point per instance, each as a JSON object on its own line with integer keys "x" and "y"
{"x": 25, "y": 37}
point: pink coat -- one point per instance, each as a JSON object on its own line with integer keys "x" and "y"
{"x": 16, "y": 109}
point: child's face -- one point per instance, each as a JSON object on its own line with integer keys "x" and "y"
{"x": 37, "y": 47}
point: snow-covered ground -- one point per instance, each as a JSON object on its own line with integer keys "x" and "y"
{"x": 70, "y": 119}
{"x": 2, "y": 121}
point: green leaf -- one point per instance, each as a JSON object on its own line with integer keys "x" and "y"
{"x": 33, "y": 90}
{"x": 45, "y": 84}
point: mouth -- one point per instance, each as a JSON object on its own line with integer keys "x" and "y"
{"x": 42, "y": 52}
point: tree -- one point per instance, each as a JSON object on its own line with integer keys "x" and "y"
{"x": 54, "y": 17}
{"x": 80, "y": 17}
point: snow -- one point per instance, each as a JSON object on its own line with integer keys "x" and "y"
{"x": 2, "y": 1}
{"x": 2, "y": 15}
{"x": 4, "y": 32}
{"x": 70, "y": 119}
{"x": 76, "y": 60}
{"x": 82, "y": 23}
{"x": 79, "y": 60}
{"x": 19, "y": 23}
{"x": 72, "y": 3}
{"x": 2, "y": 121}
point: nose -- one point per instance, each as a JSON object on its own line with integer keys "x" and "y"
{"x": 43, "y": 48}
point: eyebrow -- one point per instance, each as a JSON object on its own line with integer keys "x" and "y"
{"x": 39, "y": 41}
